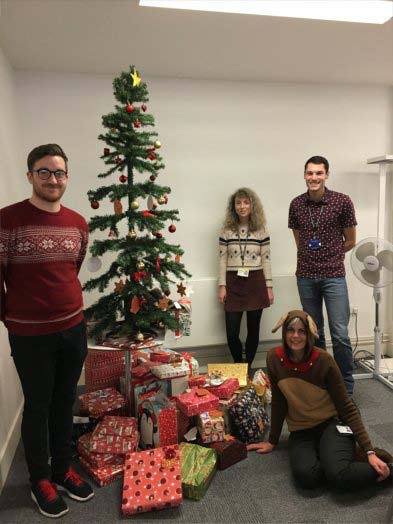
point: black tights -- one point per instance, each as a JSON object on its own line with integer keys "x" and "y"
{"x": 232, "y": 321}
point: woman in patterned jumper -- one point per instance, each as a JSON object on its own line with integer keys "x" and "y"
{"x": 309, "y": 392}
{"x": 245, "y": 280}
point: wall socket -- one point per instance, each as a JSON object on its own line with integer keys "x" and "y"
{"x": 354, "y": 310}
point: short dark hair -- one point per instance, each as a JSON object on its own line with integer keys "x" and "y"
{"x": 317, "y": 160}
{"x": 45, "y": 150}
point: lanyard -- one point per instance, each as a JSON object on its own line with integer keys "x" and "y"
{"x": 315, "y": 225}
{"x": 242, "y": 253}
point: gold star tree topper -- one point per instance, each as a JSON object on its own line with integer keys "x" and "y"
{"x": 135, "y": 79}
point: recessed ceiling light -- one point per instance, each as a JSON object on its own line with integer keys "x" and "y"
{"x": 362, "y": 11}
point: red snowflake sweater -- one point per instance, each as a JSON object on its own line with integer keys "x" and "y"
{"x": 40, "y": 257}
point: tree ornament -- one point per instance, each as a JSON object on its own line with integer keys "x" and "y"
{"x": 117, "y": 206}
{"x": 112, "y": 234}
{"x": 160, "y": 325}
{"x": 134, "y": 204}
{"x": 147, "y": 214}
{"x": 172, "y": 228}
{"x": 135, "y": 78}
{"x": 95, "y": 204}
{"x": 132, "y": 234}
{"x": 152, "y": 177}
{"x": 157, "y": 234}
{"x": 161, "y": 199}
{"x": 152, "y": 156}
{"x": 168, "y": 260}
{"x": 139, "y": 337}
{"x": 118, "y": 160}
{"x": 142, "y": 301}
{"x": 106, "y": 151}
{"x": 114, "y": 130}
{"x": 135, "y": 306}
{"x": 140, "y": 265}
{"x": 177, "y": 259}
{"x": 137, "y": 123}
{"x": 130, "y": 108}
{"x": 119, "y": 286}
{"x": 123, "y": 179}
{"x": 163, "y": 303}
{"x": 158, "y": 263}
{"x": 157, "y": 144}
{"x": 151, "y": 149}
{"x": 144, "y": 107}
{"x": 93, "y": 264}
{"x": 166, "y": 199}
{"x": 181, "y": 289}
{"x": 150, "y": 202}
{"x": 167, "y": 292}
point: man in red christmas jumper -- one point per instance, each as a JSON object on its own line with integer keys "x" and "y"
{"x": 42, "y": 247}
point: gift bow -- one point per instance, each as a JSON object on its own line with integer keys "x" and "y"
{"x": 187, "y": 357}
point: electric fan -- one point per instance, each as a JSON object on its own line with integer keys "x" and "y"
{"x": 372, "y": 264}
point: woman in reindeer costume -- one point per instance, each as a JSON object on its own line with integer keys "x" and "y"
{"x": 324, "y": 423}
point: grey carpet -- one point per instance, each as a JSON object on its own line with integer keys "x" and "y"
{"x": 256, "y": 490}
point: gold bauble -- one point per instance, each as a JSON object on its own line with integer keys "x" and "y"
{"x": 139, "y": 337}
{"x": 161, "y": 199}
{"x": 134, "y": 204}
{"x": 140, "y": 265}
{"x": 157, "y": 144}
{"x": 132, "y": 234}
{"x": 168, "y": 259}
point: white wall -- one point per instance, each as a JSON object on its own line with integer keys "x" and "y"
{"x": 12, "y": 179}
{"x": 216, "y": 137}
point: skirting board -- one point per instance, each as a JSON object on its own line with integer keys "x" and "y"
{"x": 8, "y": 451}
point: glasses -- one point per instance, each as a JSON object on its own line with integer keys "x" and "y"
{"x": 44, "y": 173}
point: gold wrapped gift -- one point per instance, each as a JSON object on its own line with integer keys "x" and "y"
{"x": 238, "y": 371}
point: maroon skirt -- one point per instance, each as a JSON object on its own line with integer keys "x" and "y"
{"x": 246, "y": 293}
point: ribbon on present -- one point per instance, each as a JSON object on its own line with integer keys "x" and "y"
{"x": 186, "y": 303}
{"x": 169, "y": 459}
{"x": 187, "y": 357}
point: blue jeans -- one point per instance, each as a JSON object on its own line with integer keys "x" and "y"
{"x": 334, "y": 292}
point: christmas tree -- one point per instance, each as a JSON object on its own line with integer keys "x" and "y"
{"x": 145, "y": 263}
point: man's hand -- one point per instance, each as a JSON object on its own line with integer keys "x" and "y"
{"x": 261, "y": 447}
{"x": 222, "y": 294}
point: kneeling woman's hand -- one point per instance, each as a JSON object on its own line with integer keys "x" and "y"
{"x": 261, "y": 447}
{"x": 380, "y": 467}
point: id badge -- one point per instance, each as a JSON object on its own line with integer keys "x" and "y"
{"x": 344, "y": 430}
{"x": 243, "y": 272}
{"x": 314, "y": 244}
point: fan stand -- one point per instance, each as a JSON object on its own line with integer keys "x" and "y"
{"x": 383, "y": 162}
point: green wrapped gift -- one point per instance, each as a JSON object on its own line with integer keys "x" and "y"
{"x": 198, "y": 467}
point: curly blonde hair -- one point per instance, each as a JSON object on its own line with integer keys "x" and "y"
{"x": 257, "y": 218}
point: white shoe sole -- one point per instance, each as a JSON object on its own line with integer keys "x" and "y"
{"x": 73, "y": 496}
{"x": 48, "y": 514}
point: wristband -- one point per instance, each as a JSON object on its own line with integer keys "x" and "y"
{"x": 370, "y": 452}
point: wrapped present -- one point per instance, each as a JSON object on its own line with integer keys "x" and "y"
{"x": 198, "y": 467}
{"x": 226, "y": 389}
{"x": 165, "y": 357}
{"x": 97, "y": 460}
{"x": 229, "y": 451}
{"x": 198, "y": 381}
{"x": 101, "y": 402}
{"x": 197, "y": 401}
{"x": 193, "y": 364}
{"x": 238, "y": 371}
{"x": 103, "y": 475}
{"x": 183, "y": 424}
{"x": 151, "y": 383}
{"x": 261, "y": 383}
{"x": 249, "y": 416}
{"x": 120, "y": 426}
{"x": 114, "y": 444}
{"x": 211, "y": 426}
{"x": 157, "y": 420}
{"x": 152, "y": 480}
{"x": 103, "y": 369}
{"x": 177, "y": 369}
{"x": 224, "y": 406}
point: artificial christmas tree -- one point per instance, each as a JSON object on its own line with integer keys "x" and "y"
{"x": 145, "y": 263}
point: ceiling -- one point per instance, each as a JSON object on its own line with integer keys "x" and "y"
{"x": 105, "y": 36}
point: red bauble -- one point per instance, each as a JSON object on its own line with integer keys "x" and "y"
{"x": 167, "y": 292}
{"x": 144, "y": 107}
{"x": 152, "y": 177}
{"x": 130, "y": 108}
{"x": 166, "y": 199}
{"x": 157, "y": 234}
{"x": 118, "y": 160}
{"x": 106, "y": 151}
{"x": 95, "y": 204}
{"x": 123, "y": 179}
{"x": 172, "y": 228}
{"x": 154, "y": 206}
{"x": 152, "y": 156}
{"x": 137, "y": 123}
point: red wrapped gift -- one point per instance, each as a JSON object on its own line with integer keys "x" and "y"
{"x": 99, "y": 403}
{"x": 197, "y": 401}
{"x": 183, "y": 424}
{"x": 120, "y": 426}
{"x": 211, "y": 426}
{"x": 105, "y": 475}
{"x": 114, "y": 444}
{"x": 229, "y": 451}
{"x": 165, "y": 357}
{"x": 197, "y": 381}
{"x": 157, "y": 420}
{"x": 226, "y": 389}
{"x": 103, "y": 369}
{"x": 97, "y": 460}
{"x": 152, "y": 480}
